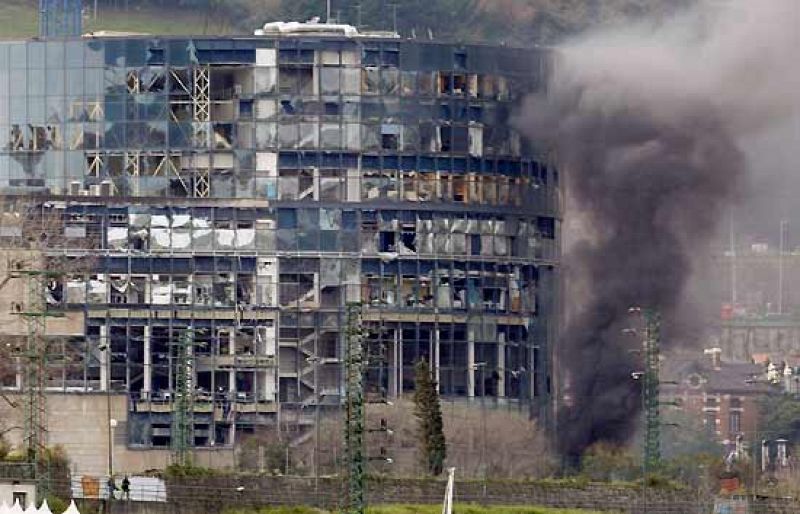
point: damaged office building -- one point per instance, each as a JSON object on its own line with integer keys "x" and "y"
{"x": 245, "y": 189}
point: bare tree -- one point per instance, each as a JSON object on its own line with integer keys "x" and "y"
{"x": 515, "y": 446}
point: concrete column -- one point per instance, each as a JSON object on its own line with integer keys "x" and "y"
{"x": 147, "y": 388}
{"x": 501, "y": 370}
{"x": 435, "y": 335}
{"x": 104, "y": 355}
{"x": 232, "y": 351}
{"x": 399, "y": 342}
{"x": 393, "y": 367}
{"x": 470, "y": 367}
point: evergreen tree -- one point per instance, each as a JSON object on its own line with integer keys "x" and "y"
{"x": 428, "y": 411}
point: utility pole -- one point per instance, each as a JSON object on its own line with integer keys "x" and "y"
{"x": 35, "y": 226}
{"x": 34, "y": 381}
{"x": 652, "y": 445}
{"x": 182, "y": 407}
{"x": 354, "y": 410}
{"x": 781, "y": 251}
{"x": 732, "y": 251}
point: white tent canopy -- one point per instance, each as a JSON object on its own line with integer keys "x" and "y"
{"x": 45, "y": 508}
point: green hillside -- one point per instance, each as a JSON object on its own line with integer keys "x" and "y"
{"x": 518, "y": 22}
{"x": 19, "y": 18}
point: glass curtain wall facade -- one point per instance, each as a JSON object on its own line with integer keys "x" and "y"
{"x": 248, "y": 188}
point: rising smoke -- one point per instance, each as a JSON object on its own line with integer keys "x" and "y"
{"x": 652, "y": 126}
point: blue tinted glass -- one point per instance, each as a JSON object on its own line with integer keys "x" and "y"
{"x": 74, "y": 54}
{"x": 18, "y": 56}
{"x": 36, "y": 52}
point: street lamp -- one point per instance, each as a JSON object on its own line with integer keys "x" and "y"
{"x": 482, "y": 367}
{"x": 315, "y": 361}
{"x": 111, "y": 423}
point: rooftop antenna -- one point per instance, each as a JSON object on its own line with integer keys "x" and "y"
{"x": 328, "y": 12}
{"x": 394, "y": 17}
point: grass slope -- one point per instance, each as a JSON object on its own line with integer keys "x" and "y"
{"x": 19, "y": 19}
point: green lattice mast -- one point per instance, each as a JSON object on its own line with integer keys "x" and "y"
{"x": 354, "y": 410}
{"x": 652, "y": 441}
{"x": 182, "y": 430}
{"x": 34, "y": 376}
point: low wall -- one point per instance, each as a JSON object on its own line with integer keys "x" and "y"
{"x": 212, "y": 495}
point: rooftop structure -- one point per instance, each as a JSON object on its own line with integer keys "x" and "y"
{"x": 245, "y": 189}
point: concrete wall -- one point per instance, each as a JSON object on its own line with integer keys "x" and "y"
{"x": 79, "y": 423}
{"x": 9, "y": 487}
{"x": 14, "y": 292}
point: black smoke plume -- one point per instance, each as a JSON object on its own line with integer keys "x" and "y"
{"x": 650, "y": 126}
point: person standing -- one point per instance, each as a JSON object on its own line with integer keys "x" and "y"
{"x": 126, "y": 488}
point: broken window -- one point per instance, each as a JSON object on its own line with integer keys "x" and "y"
{"x": 309, "y": 135}
{"x": 476, "y": 141}
{"x": 331, "y": 185}
{"x": 459, "y": 84}
{"x": 370, "y": 137}
{"x": 486, "y": 86}
{"x": 288, "y": 135}
{"x": 425, "y": 83}
{"x": 223, "y": 292}
{"x": 390, "y": 81}
{"x": 391, "y": 136}
{"x": 351, "y": 81}
{"x": 370, "y": 81}
{"x": 330, "y": 136}
{"x": 329, "y": 81}
{"x": 202, "y": 286}
{"x": 181, "y": 290}
{"x": 429, "y": 138}
{"x": 298, "y": 80}
{"x": 267, "y": 136}
{"x": 296, "y": 185}
{"x": 408, "y": 83}
{"x": 454, "y": 138}
{"x": 472, "y": 85}
{"x": 502, "y": 88}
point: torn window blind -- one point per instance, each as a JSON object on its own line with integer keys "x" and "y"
{"x": 225, "y": 238}
{"x": 98, "y": 290}
{"x": 201, "y": 234}
{"x": 159, "y": 220}
{"x": 245, "y": 238}
{"x": 181, "y": 239}
{"x": 118, "y": 238}
{"x": 160, "y": 238}
{"x": 330, "y": 272}
{"x": 181, "y": 220}
{"x": 161, "y": 293}
{"x": 76, "y": 291}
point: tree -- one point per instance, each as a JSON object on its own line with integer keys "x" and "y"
{"x": 428, "y": 411}
{"x": 780, "y": 418}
